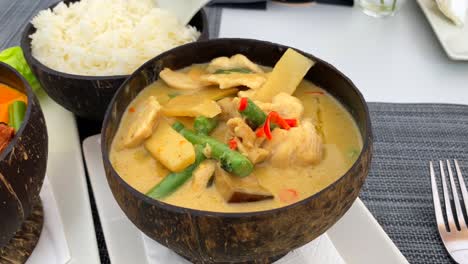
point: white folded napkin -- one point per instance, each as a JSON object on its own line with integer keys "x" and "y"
{"x": 455, "y": 10}
{"x": 321, "y": 250}
{"x": 52, "y": 247}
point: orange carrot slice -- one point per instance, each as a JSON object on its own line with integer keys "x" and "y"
{"x": 288, "y": 195}
{"x": 4, "y": 113}
{"x": 8, "y": 94}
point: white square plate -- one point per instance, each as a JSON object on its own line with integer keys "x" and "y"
{"x": 66, "y": 175}
{"x": 357, "y": 236}
{"x": 454, "y": 39}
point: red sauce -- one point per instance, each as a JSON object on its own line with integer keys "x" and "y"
{"x": 6, "y": 135}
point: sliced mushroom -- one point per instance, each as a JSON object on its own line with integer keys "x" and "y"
{"x": 142, "y": 126}
{"x": 236, "y": 61}
{"x": 239, "y": 190}
{"x": 235, "y": 79}
{"x": 181, "y": 80}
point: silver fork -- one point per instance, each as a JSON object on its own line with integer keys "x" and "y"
{"x": 454, "y": 232}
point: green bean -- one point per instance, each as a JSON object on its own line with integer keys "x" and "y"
{"x": 231, "y": 161}
{"x": 238, "y": 70}
{"x": 16, "y": 113}
{"x": 254, "y": 115}
{"x": 176, "y": 179}
{"x": 205, "y": 125}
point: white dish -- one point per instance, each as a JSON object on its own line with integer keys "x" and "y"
{"x": 66, "y": 176}
{"x": 454, "y": 39}
{"x": 52, "y": 246}
{"x": 357, "y": 236}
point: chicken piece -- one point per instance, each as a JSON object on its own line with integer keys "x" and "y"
{"x": 235, "y": 79}
{"x": 228, "y": 108}
{"x": 181, "y": 80}
{"x": 235, "y": 62}
{"x": 247, "y": 93}
{"x": 299, "y": 146}
{"x": 142, "y": 126}
{"x": 254, "y": 154}
{"x": 239, "y": 190}
{"x": 286, "y": 105}
{"x": 202, "y": 174}
{"x": 247, "y": 141}
{"x": 240, "y": 129}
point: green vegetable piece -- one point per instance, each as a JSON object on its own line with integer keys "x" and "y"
{"x": 15, "y": 58}
{"x": 353, "y": 153}
{"x": 238, "y": 70}
{"x": 205, "y": 125}
{"x": 172, "y": 95}
{"x": 16, "y": 113}
{"x": 231, "y": 161}
{"x": 176, "y": 179}
{"x": 254, "y": 115}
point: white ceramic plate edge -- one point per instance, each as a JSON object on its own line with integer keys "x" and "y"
{"x": 66, "y": 175}
{"x": 357, "y": 235}
{"x": 360, "y": 239}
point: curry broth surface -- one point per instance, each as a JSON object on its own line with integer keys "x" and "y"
{"x": 342, "y": 145}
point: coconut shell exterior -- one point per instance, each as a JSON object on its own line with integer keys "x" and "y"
{"x": 21, "y": 246}
{"x": 23, "y": 163}
{"x": 256, "y": 237}
{"x": 85, "y": 96}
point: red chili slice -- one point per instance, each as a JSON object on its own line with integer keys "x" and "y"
{"x": 260, "y": 132}
{"x": 243, "y": 104}
{"x": 291, "y": 122}
{"x": 277, "y": 119}
{"x": 233, "y": 144}
{"x": 266, "y": 126}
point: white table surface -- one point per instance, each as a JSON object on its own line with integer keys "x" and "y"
{"x": 396, "y": 59}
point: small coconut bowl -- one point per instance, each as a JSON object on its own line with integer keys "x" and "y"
{"x": 85, "y": 96}
{"x": 23, "y": 163}
{"x": 254, "y": 237}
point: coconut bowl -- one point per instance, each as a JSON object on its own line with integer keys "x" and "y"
{"x": 23, "y": 162}
{"x": 253, "y": 237}
{"x": 85, "y": 96}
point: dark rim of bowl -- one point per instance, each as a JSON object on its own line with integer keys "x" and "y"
{"x": 31, "y": 96}
{"x": 178, "y": 209}
{"x": 26, "y": 47}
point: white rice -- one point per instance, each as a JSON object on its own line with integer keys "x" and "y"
{"x": 105, "y": 37}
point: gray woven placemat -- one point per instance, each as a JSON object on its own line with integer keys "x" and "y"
{"x": 397, "y": 190}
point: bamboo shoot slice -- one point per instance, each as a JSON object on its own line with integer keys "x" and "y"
{"x": 285, "y": 77}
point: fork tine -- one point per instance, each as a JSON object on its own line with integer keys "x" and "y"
{"x": 448, "y": 206}
{"x": 436, "y": 198}
{"x": 463, "y": 190}
{"x": 456, "y": 198}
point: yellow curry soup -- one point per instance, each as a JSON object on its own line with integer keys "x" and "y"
{"x": 319, "y": 144}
